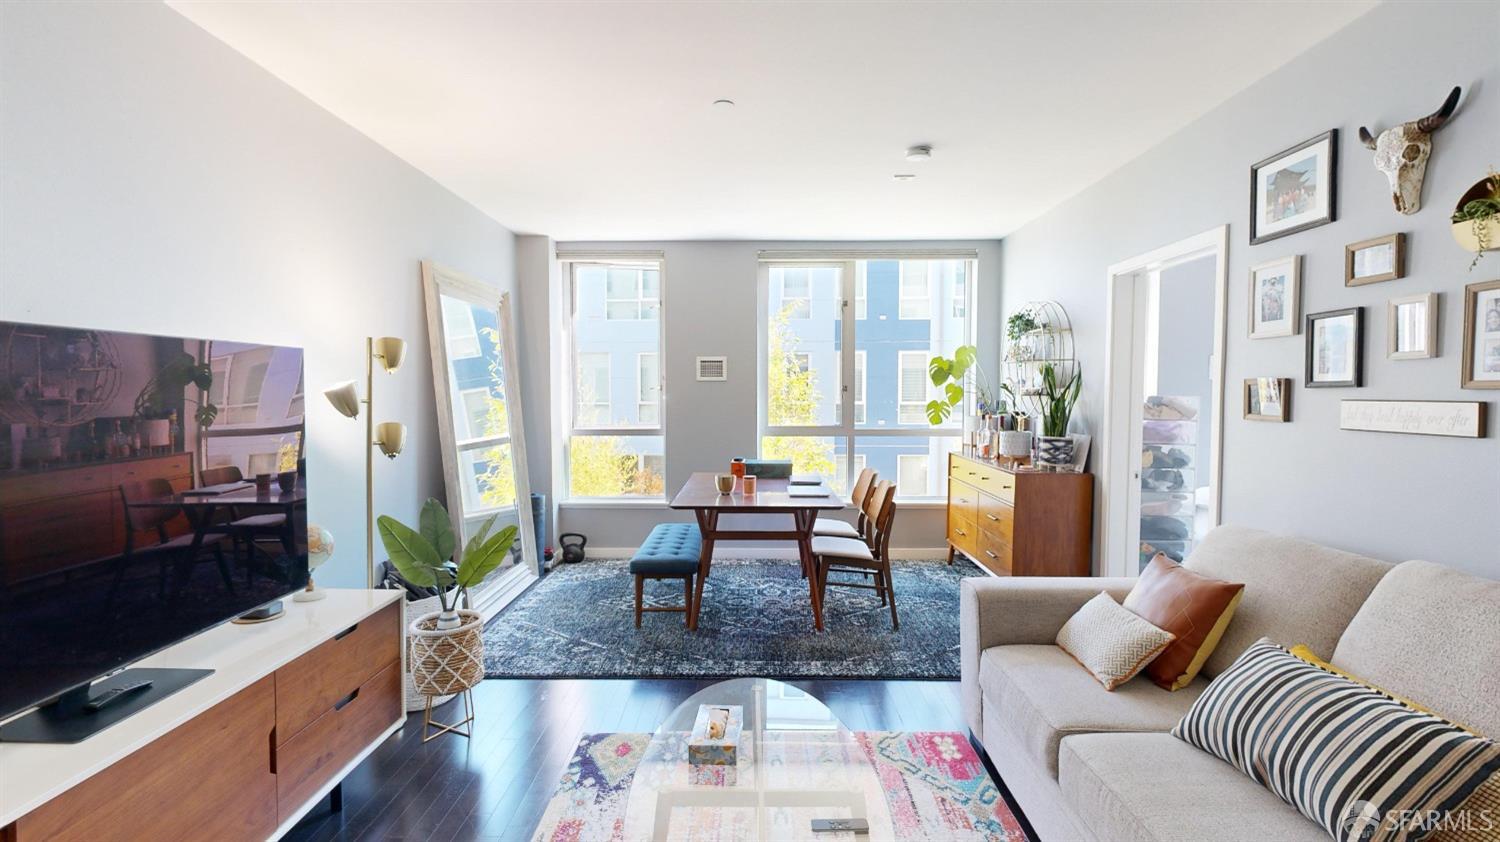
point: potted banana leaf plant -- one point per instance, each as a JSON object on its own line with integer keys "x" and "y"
{"x": 447, "y": 649}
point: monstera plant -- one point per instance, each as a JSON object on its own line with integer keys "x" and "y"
{"x": 424, "y": 556}
{"x": 949, "y": 374}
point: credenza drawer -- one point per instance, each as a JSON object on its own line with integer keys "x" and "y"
{"x": 995, "y": 515}
{"x": 167, "y": 467}
{"x": 318, "y": 752}
{"x": 308, "y": 687}
{"x": 987, "y": 478}
{"x": 963, "y": 535}
{"x": 994, "y": 552}
{"x": 963, "y": 500}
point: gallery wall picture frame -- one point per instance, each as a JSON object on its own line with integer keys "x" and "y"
{"x": 1481, "y": 356}
{"x": 1457, "y": 419}
{"x": 1275, "y": 297}
{"x": 1374, "y": 260}
{"x": 1268, "y": 399}
{"x": 1295, "y": 189}
{"x": 1411, "y": 331}
{"x": 1335, "y": 349}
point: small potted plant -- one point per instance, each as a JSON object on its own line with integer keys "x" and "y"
{"x": 446, "y": 646}
{"x": 1054, "y": 446}
{"x": 158, "y": 400}
{"x": 1476, "y": 220}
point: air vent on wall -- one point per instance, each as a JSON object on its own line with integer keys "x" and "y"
{"x": 713, "y": 368}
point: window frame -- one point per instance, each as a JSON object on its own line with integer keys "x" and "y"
{"x": 570, "y": 427}
{"x": 640, "y": 382}
{"x": 639, "y": 300}
{"x": 846, "y": 428}
{"x": 861, "y": 385}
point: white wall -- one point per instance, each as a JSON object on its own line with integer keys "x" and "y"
{"x": 710, "y": 308}
{"x": 155, "y": 180}
{"x": 1391, "y": 496}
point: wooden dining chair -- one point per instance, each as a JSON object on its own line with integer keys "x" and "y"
{"x": 832, "y": 554}
{"x": 244, "y": 530}
{"x": 152, "y": 521}
{"x": 832, "y": 526}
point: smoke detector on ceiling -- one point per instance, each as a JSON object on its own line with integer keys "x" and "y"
{"x": 919, "y": 153}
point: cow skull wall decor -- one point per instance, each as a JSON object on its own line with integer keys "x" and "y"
{"x": 1401, "y": 152}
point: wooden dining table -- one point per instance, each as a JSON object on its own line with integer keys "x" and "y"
{"x": 700, "y": 495}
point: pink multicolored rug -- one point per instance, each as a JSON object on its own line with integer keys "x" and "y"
{"x": 936, "y": 788}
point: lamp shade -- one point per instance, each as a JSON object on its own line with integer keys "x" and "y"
{"x": 390, "y": 351}
{"x": 345, "y": 398}
{"x": 390, "y": 437}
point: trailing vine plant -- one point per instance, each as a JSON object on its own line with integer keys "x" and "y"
{"x": 1478, "y": 213}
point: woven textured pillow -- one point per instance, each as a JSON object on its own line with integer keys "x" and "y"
{"x": 1361, "y": 765}
{"x": 1111, "y": 642}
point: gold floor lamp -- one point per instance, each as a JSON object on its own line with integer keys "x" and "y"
{"x": 389, "y": 436}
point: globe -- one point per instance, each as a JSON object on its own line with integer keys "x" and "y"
{"x": 319, "y": 546}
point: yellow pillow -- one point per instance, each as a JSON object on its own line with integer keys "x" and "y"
{"x": 1306, "y": 654}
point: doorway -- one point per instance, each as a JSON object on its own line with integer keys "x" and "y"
{"x": 1164, "y": 415}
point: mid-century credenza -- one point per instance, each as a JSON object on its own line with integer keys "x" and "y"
{"x": 1019, "y": 522}
{"x": 292, "y": 706}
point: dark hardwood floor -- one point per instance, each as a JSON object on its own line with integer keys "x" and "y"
{"x": 496, "y": 786}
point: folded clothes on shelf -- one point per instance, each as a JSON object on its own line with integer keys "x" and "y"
{"x": 1171, "y": 408}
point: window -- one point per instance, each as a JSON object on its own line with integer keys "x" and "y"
{"x": 819, "y": 405}
{"x": 460, "y": 330}
{"x": 294, "y": 407}
{"x": 593, "y": 388}
{"x": 859, "y": 387}
{"x": 238, "y": 378}
{"x": 911, "y": 475}
{"x": 796, "y": 294}
{"x": 632, "y": 293}
{"x": 648, "y": 387}
{"x": 615, "y": 446}
{"x": 911, "y": 387}
{"x": 916, "y": 297}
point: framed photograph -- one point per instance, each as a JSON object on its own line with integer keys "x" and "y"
{"x": 1295, "y": 189}
{"x": 1373, "y": 261}
{"x": 1335, "y": 348}
{"x": 1482, "y": 336}
{"x": 1411, "y": 327}
{"x": 1268, "y": 399}
{"x": 1275, "y": 294}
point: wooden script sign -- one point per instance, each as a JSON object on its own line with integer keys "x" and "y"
{"x": 1424, "y": 418}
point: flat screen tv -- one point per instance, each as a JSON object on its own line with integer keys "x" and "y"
{"x": 151, "y": 487}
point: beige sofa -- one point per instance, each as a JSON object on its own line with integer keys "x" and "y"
{"x": 1087, "y": 764}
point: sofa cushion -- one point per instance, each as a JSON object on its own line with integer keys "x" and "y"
{"x": 1157, "y": 788}
{"x": 1295, "y": 591}
{"x": 1043, "y": 695}
{"x": 1429, "y": 633}
{"x": 1112, "y": 642}
{"x": 1195, "y": 608}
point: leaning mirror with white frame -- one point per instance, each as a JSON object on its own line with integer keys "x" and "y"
{"x": 477, "y": 389}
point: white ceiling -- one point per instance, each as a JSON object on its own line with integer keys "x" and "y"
{"x": 592, "y": 120}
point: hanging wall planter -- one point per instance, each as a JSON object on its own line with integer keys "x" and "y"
{"x": 1476, "y": 219}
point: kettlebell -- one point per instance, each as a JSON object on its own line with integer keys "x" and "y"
{"x": 572, "y": 551}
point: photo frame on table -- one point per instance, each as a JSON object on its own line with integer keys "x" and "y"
{"x": 1411, "y": 327}
{"x": 1268, "y": 399}
{"x": 1335, "y": 348}
{"x": 1275, "y": 297}
{"x": 1375, "y": 260}
{"x": 1481, "y": 357}
{"x": 1295, "y": 189}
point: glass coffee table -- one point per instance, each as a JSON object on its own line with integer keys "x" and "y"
{"x": 796, "y": 763}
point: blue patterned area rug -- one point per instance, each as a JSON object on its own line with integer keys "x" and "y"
{"x": 579, "y": 622}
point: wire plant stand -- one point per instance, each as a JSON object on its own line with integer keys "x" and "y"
{"x": 1050, "y": 342}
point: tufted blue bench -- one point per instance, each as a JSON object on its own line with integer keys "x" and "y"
{"x": 670, "y": 552}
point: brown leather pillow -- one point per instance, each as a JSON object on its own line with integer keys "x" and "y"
{"x": 1191, "y": 606}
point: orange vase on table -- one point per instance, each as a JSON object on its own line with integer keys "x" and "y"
{"x": 737, "y": 467}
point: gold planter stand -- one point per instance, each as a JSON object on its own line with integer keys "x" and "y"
{"x": 432, "y": 729}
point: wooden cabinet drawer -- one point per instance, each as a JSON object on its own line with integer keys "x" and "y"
{"x": 308, "y": 687}
{"x": 209, "y": 778}
{"x": 963, "y": 500}
{"x": 166, "y": 467}
{"x": 314, "y": 755}
{"x": 994, "y": 552}
{"x": 996, "y": 515}
{"x": 56, "y": 483}
{"x": 962, "y": 534}
{"x": 985, "y": 477}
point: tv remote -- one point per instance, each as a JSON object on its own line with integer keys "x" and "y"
{"x": 837, "y": 825}
{"x": 108, "y": 697}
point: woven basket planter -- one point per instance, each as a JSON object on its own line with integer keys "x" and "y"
{"x": 414, "y": 700}
{"x": 448, "y": 661}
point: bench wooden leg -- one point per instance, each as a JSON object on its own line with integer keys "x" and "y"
{"x": 640, "y": 589}
{"x": 687, "y": 601}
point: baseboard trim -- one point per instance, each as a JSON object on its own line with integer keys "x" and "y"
{"x": 911, "y": 553}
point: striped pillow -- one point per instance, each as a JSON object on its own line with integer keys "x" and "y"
{"x": 1359, "y": 764}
